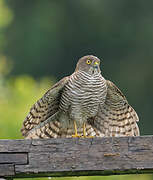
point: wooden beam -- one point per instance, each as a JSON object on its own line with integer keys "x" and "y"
{"x": 7, "y": 170}
{"x": 76, "y": 157}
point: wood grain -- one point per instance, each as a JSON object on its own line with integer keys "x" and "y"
{"x": 76, "y": 157}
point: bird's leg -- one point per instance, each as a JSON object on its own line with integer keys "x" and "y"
{"x": 76, "y": 132}
{"x": 84, "y": 132}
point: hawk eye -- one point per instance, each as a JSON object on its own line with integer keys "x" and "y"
{"x": 88, "y": 61}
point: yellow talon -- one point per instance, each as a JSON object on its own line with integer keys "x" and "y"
{"x": 76, "y": 132}
{"x": 84, "y": 132}
{"x": 76, "y": 136}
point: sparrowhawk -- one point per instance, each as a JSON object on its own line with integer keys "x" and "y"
{"x": 83, "y": 104}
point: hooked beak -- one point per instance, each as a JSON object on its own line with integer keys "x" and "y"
{"x": 96, "y": 64}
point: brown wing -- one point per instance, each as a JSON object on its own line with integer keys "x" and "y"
{"x": 44, "y": 108}
{"x": 116, "y": 117}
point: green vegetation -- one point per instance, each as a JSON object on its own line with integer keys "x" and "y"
{"x": 121, "y": 177}
{"x": 18, "y": 94}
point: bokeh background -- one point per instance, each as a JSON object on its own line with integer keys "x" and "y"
{"x": 41, "y": 41}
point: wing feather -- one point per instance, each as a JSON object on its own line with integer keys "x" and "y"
{"x": 116, "y": 117}
{"x": 44, "y": 108}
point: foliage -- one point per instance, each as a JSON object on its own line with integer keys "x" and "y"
{"x": 17, "y": 96}
{"x": 121, "y": 177}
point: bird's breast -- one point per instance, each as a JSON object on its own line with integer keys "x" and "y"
{"x": 84, "y": 93}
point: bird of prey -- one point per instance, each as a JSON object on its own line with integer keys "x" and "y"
{"x": 83, "y": 104}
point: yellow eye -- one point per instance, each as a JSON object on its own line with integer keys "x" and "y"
{"x": 88, "y": 61}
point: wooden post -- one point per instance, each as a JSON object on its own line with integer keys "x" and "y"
{"x": 76, "y": 157}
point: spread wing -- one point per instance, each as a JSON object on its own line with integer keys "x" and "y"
{"x": 44, "y": 108}
{"x": 116, "y": 117}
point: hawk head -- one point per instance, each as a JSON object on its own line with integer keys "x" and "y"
{"x": 89, "y": 64}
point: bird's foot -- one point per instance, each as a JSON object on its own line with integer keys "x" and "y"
{"x": 76, "y": 136}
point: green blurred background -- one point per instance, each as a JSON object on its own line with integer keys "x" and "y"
{"x": 41, "y": 41}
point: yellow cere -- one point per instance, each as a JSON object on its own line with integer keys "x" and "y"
{"x": 96, "y": 63}
{"x": 88, "y": 61}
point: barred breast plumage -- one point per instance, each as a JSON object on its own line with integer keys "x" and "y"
{"x": 82, "y": 95}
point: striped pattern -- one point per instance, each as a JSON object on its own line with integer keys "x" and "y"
{"x": 54, "y": 130}
{"x": 44, "y": 108}
{"x": 116, "y": 117}
{"x": 83, "y": 94}
{"x": 77, "y": 91}
{"x": 40, "y": 111}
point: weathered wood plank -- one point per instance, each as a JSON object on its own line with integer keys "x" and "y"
{"x": 15, "y": 145}
{"x": 14, "y": 158}
{"x": 7, "y": 170}
{"x": 75, "y": 157}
